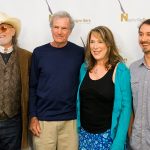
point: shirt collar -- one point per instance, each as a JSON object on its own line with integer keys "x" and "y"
{"x": 9, "y": 50}
{"x": 142, "y": 62}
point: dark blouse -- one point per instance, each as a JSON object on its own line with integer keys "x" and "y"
{"x": 97, "y": 98}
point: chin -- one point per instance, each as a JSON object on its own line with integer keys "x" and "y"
{"x": 146, "y": 51}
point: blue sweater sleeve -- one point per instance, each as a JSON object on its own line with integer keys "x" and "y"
{"x": 82, "y": 75}
{"x": 123, "y": 81}
{"x": 34, "y": 73}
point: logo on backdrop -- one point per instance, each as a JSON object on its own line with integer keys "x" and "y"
{"x": 79, "y": 21}
{"x": 124, "y": 17}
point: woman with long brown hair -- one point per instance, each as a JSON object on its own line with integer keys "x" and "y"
{"x": 104, "y": 95}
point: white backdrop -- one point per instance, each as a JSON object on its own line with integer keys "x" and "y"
{"x": 121, "y": 16}
{"x": 34, "y": 15}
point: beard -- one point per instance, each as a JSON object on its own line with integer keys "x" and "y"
{"x": 145, "y": 47}
{"x": 146, "y": 50}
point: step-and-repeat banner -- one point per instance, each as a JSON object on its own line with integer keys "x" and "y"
{"x": 121, "y": 16}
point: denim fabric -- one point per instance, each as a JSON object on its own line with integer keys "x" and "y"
{"x": 10, "y": 134}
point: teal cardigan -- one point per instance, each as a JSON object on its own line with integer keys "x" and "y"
{"x": 122, "y": 105}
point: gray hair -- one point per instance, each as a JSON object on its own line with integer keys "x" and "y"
{"x": 62, "y": 14}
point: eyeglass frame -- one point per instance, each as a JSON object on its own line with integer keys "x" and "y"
{"x": 4, "y": 27}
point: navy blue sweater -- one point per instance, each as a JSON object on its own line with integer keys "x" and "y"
{"x": 54, "y": 79}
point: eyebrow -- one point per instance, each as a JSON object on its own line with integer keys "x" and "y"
{"x": 143, "y": 32}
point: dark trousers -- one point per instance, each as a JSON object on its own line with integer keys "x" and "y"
{"x": 10, "y": 134}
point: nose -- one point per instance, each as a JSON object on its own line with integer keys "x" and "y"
{"x": 143, "y": 38}
{"x": 59, "y": 31}
{"x": 95, "y": 45}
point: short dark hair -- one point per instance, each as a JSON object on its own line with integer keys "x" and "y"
{"x": 147, "y": 21}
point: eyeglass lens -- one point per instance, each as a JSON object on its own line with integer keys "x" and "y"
{"x": 3, "y": 28}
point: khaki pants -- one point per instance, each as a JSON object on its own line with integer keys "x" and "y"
{"x": 57, "y": 135}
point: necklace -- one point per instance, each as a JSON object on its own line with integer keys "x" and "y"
{"x": 95, "y": 70}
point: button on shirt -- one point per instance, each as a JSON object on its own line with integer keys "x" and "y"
{"x": 140, "y": 83}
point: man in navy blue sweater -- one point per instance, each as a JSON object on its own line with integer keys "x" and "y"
{"x": 54, "y": 81}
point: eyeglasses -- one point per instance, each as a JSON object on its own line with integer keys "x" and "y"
{"x": 4, "y": 28}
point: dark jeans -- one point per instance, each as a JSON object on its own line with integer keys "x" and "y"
{"x": 10, "y": 134}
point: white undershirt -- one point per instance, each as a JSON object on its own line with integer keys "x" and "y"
{"x": 3, "y": 50}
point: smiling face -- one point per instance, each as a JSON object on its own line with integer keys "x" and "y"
{"x": 6, "y": 34}
{"x": 60, "y": 31}
{"x": 98, "y": 48}
{"x": 144, "y": 38}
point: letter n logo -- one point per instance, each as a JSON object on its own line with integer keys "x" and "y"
{"x": 124, "y": 17}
